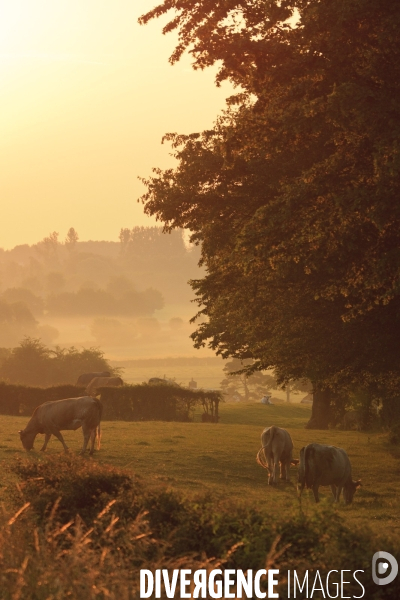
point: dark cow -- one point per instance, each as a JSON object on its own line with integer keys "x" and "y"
{"x": 99, "y": 382}
{"x": 277, "y": 447}
{"x": 86, "y": 378}
{"x": 326, "y": 465}
{"x": 52, "y": 417}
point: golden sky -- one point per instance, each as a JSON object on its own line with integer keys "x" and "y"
{"x": 86, "y": 95}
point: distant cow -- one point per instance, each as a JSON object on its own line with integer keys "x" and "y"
{"x": 52, "y": 417}
{"x": 326, "y": 465}
{"x": 86, "y": 378}
{"x": 99, "y": 382}
{"x": 277, "y": 447}
{"x": 353, "y": 419}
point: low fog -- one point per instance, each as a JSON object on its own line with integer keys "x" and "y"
{"x": 129, "y": 297}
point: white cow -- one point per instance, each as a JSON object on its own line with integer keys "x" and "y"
{"x": 52, "y": 417}
{"x": 326, "y": 465}
{"x": 277, "y": 447}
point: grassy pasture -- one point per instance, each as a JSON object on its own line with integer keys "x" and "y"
{"x": 220, "y": 459}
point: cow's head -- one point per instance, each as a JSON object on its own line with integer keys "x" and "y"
{"x": 27, "y": 439}
{"x": 349, "y": 490}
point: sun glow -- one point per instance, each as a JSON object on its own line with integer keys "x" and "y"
{"x": 87, "y": 95}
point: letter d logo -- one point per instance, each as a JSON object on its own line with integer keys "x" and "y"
{"x": 383, "y": 568}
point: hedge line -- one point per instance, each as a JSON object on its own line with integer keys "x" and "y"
{"x": 22, "y": 400}
{"x": 161, "y": 402}
{"x": 144, "y": 402}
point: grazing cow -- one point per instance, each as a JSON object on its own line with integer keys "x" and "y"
{"x": 277, "y": 447}
{"x": 353, "y": 419}
{"x": 99, "y": 382}
{"x": 86, "y": 378}
{"x": 326, "y": 465}
{"x": 52, "y": 417}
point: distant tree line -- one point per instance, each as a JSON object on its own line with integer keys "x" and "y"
{"x": 131, "y": 278}
{"x": 251, "y": 386}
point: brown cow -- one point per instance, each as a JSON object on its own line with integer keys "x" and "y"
{"x": 69, "y": 414}
{"x": 277, "y": 447}
{"x": 326, "y": 465}
{"x": 99, "y": 382}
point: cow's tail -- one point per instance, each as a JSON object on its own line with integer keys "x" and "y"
{"x": 262, "y": 461}
{"x": 260, "y": 458}
{"x": 98, "y": 428}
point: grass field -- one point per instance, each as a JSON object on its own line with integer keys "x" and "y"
{"x": 220, "y": 458}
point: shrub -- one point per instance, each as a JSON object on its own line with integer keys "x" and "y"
{"x": 80, "y": 487}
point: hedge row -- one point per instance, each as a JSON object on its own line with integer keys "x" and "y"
{"x": 144, "y": 402}
{"x": 161, "y": 402}
{"x": 22, "y": 400}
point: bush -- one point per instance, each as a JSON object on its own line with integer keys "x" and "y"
{"x": 80, "y": 488}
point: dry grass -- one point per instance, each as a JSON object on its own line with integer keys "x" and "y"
{"x": 220, "y": 458}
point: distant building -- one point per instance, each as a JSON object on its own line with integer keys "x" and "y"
{"x": 192, "y": 384}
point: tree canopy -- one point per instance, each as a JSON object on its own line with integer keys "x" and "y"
{"x": 293, "y": 194}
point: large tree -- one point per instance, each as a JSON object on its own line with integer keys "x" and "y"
{"x": 293, "y": 195}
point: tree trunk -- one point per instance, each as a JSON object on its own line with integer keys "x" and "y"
{"x": 288, "y": 393}
{"x": 320, "y": 415}
{"x": 246, "y": 389}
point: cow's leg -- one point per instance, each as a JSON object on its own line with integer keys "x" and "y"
{"x": 46, "y": 441}
{"x": 86, "y": 437}
{"x": 271, "y": 468}
{"x": 87, "y": 432}
{"x": 93, "y": 436}
{"x": 285, "y": 470}
{"x": 334, "y": 491}
{"x": 339, "y": 491}
{"x": 276, "y": 470}
{"x": 315, "y": 491}
{"x": 58, "y": 435}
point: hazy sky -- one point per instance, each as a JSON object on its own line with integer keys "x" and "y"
{"x": 86, "y": 95}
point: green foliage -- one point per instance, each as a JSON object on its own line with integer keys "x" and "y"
{"x": 293, "y": 194}
{"x": 32, "y": 363}
{"x": 22, "y": 400}
{"x": 161, "y": 402}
